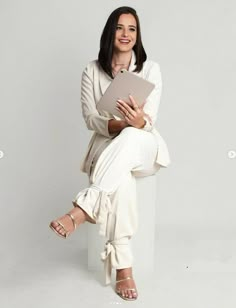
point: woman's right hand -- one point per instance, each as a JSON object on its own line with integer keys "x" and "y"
{"x": 133, "y": 114}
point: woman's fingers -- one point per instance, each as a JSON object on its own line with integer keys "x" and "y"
{"x": 124, "y": 113}
{"x": 133, "y": 114}
{"x": 125, "y": 107}
{"x": 121, "y": 112}
{"x": 136, "y": 107}
{"x": 134, "y": 104}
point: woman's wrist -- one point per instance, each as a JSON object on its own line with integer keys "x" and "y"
{"x": 123, "y": 124}
{"x": 115, "y": 126}
{"x": 143, "y": 123}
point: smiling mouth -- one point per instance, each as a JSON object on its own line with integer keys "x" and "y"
{"x": 124, "y": 41}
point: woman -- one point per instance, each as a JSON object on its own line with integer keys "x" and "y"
{"x": 119, "y": 150}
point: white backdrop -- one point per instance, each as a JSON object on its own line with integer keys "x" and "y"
{"x": 45, "y": 45}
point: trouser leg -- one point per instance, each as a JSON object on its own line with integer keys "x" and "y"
{"x": 122, "y": 224}
{"x": 132, "y": 151}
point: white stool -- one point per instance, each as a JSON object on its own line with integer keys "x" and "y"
{"x": 143, "y": 241}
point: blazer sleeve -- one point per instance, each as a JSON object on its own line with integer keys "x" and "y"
{"x": 153, "y": 101}
{"x": 94, "y": 121}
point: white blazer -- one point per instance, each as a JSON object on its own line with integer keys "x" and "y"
{"x": 94, "y": 83}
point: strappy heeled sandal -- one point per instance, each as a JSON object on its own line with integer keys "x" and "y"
{"x": 118, "y": 290}
{"x": 67, "y": 232}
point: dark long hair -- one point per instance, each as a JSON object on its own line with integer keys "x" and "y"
{"x": 108, "y": 38}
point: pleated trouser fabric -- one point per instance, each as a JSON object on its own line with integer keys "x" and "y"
{"x": 111, "y": 197}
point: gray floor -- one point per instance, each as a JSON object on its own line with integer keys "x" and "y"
{"x": 191, "y": 273}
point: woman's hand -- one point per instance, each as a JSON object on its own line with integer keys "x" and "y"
{"x": 133, "y": 114}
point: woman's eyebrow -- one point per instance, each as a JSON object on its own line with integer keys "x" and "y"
{"x": 129, "y": 25}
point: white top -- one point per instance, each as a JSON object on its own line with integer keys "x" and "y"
{"x": 94, "y": 83}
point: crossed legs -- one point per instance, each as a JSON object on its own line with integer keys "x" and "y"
{"x": 133, "y": 150}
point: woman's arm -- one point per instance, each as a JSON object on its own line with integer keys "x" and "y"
{"x": 94, "y": 121}
{"x": 115, "y": 126}
{"x": 144, "y": 117}
{"x": 109, "y": 127}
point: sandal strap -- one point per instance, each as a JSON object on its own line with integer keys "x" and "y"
{"x": 130, "y": 289}
{"x": 61, "y": 225}
{"x": 127, "y": 278}
{"x": 73, "y": 219}
{"x": 67, "y": 232}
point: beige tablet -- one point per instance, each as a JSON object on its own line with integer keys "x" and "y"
{"x": 122, "y": 85}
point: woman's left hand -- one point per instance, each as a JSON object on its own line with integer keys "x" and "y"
{"x": 133, "y": 114}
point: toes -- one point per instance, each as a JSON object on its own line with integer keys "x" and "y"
{"x": 66, "y": 221}
{"x": 62, "y": 231}
{"x": 128, "y": 293}
{"x": 54, "y": 224}
{"x": 58, "y": 228}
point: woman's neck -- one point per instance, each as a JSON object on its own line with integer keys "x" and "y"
{"x": 121, "y": 58}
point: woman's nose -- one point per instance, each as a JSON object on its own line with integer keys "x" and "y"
{"x": 125, "y": 32}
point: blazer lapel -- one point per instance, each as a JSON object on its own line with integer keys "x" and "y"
{"x": 132, "y": 65}
{"x": 105, "y": 80}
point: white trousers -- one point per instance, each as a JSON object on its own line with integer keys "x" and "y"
{"x": 111, "y": 197}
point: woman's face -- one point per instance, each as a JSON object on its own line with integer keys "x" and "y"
{"x": 126, "y": 33}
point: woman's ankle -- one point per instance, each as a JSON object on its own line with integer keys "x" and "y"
{"x": 86, "y": 217}
{"x": 124, "y": 272}
{"x": 78, "y": 214}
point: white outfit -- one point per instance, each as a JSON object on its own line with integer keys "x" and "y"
{"x": 113, "y": 161}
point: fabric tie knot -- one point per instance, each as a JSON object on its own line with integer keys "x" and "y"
{"x": 108, "y": 256}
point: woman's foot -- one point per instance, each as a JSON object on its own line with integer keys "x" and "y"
{"x": 66, "y": 224}
{"x": 126, "y": 284}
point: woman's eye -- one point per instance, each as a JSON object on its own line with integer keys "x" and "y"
{"x": 119, "y": 27}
